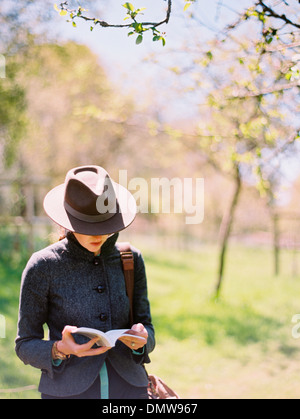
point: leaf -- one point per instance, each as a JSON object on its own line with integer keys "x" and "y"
{"x": 128, "y": 6}
{"x": 187, "y": 5}
{"x": 56, "y": 7}
{"x": 138, "y": 27}
{"x": 209, "y": 54}
{"x": 74, "y": 24}
{"x": 139, "y": 39}
{"x": 63, "y": 12}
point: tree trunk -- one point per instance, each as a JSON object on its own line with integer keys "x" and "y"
{"x": 225, "y": 231}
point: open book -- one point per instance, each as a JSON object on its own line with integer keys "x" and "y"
{"x": 105, "y": 339}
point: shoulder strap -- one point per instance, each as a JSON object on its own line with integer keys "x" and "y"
{"x": 128, "y": 268}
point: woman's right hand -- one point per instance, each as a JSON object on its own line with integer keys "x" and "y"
{"x": 68, "y": 346}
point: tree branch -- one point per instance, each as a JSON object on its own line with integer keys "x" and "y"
{"x": 290, "y": 141}
{"x": 269, "y": 91}
{"x": 78, "y": 14}
{"x": 271, "y": 13}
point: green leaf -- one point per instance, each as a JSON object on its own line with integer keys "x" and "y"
{"x": 209, "y": 54}
{"x": 139, "y": 39}
{"x": 288, "y": 76}
{"x": 138, "y": 27}
{"x": 74, "y": 24}
{"x": 56, "y": 7}
{"x": 128, "y": 6}
{"x": 63, "y": 12}
{"x": 187, "y": 5}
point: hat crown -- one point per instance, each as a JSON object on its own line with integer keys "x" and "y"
{"x": 89, "y": 191}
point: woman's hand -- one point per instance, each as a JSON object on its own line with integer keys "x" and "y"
{"x": 68, "y": 346}
{"x": 131, "y": 342}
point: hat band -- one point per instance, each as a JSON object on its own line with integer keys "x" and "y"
{"x": 88, "y": 218}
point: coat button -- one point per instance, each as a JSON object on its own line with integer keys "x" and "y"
{"x": 96, "y": 261}
{"x": 100, "y": 289}
{"x": 103, "y": 317}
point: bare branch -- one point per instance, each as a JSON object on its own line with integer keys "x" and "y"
{"x": 271, "y": 13}
{"x": 290, "y": 141}
{"x": 271, "y": 90}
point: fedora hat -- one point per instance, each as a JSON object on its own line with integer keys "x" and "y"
{"x": 90, "y": 203}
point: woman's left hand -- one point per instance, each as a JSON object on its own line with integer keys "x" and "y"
{"x": 132, "y": 343}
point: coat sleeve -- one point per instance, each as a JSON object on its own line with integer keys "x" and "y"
{"x": 31, "y": 347}
{"x": 141, "y": 307}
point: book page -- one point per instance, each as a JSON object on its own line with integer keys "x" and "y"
{"x": 92, "y": 333}
{"x": 106, "y": 339}
{"x": 114, "y": 335}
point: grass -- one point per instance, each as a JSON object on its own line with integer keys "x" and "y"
{"x": 238, "y": 347}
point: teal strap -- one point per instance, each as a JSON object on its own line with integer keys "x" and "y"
{"x": 139, "y": 353}
{"x": 104, "y": 382}
{"x": 56, "y": 362}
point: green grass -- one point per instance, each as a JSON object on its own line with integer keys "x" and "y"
{"x": 238, "y": 347}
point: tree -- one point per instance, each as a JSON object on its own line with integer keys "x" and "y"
{"x": 17, "y": 20}
{"x": 247, "y": 119}
{"x": 12, "y": 114}
{"x": 236, "y": 140}
{"x": 74, "y": 113}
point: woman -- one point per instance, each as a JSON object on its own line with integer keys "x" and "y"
{"x": 79, "y": 282}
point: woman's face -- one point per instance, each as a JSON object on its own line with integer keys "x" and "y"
{"x": 91, "y": 243}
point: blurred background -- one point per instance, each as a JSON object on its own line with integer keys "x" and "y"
{"x": 219, "y": 102}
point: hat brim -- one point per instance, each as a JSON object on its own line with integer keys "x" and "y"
{"x": 55, "y": 209}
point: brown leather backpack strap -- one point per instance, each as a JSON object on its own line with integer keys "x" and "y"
{"x": 128, "y": 269}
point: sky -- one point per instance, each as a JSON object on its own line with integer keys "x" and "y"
{"x": 134, "y": 69}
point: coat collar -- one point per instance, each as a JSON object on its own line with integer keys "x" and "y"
{"x": 75, "y": 248}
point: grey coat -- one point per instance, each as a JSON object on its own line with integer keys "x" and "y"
{"x": 65, "y": 284}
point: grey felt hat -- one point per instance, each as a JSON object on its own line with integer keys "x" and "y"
{"x": 90, "y": 203}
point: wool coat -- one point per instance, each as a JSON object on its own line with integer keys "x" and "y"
{"x": 65, "y": 284}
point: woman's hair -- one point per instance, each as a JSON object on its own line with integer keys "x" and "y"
{"x": 59, "y": 235}
{"x": 62, "y": 233}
